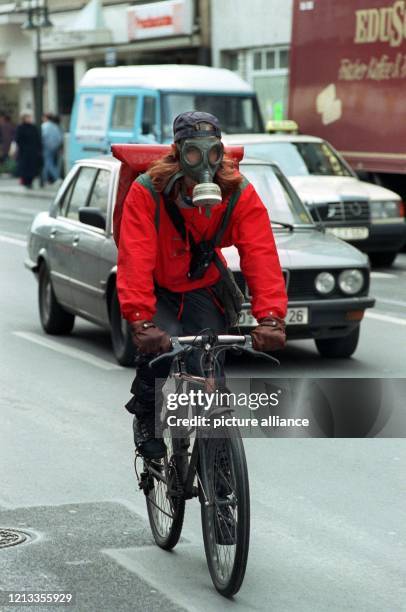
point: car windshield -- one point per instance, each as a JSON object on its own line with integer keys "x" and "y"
{"x": 300, "y": 158}
{"x": 277, "y": 194}
{"x": 236, "y": 113}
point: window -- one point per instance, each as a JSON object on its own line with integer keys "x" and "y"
{"x": 124, "y": 110}
{"x": 270, "y": 60}
{"x": 64, "y": 201}
{"x": 284, "y": 58}
{"x": 149, "y": 116}
{"x": 100, "y": 194}
{"x": 81, "y": 191}
{"x": 257, "y": 60}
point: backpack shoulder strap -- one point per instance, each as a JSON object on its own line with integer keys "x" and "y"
{"x": 146, "y": 181}
{"x": 226, "y": 217}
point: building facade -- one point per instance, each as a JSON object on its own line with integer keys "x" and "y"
{"x": 94, "y": 33}
{"x": 252, "y": 37}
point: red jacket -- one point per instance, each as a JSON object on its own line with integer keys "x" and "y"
{"x": 145, "y": 255}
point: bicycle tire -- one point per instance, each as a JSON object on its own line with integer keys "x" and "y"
{"x": 232, "y": 443}
{"x": 165, "y": 537}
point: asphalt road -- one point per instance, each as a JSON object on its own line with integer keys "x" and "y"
{"x": 328, "y": 516}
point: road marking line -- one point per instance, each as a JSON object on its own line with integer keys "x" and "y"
{"x": 394, "y": 302}
{"x": 13, "y": 241}
{"x": 387, "y": 318}
{"x": 382, "y": 275}
{"x": 69, "y": 351}
{"x": 12, "y": 217}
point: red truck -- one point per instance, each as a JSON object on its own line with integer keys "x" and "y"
{"x": 348, "y": 82}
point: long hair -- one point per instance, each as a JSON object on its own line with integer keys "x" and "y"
{"x": 227, "y": 177}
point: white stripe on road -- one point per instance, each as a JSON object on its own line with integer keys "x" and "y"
{"x": 386, "y": 318}
{"x": 13, "y": 217}
{"x": 393, "y": 302}
{"x": 10, "y": 240}
{"x": 54, "y": 345}
{"x": 382, "y": 275}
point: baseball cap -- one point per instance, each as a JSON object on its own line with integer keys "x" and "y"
{"x": 193, "y": 124}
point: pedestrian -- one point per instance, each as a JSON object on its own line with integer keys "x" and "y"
{"x": 7, "y": 135}
{"x": 168, "y": 284}
{"x": 51, "y": 143}
{"x": 59, "y": 152}
{"x": 29, "y": 150}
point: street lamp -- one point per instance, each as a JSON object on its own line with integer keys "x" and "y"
{"x": 38, "y": 18}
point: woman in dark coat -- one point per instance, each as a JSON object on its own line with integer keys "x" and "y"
{"x": 29, "y": 151}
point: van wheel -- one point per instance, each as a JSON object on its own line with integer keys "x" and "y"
{"x": 54, "y": 319}
{"x": 121, "y": 340}
{"x": 339, "y": 347}
{"x": 381, "y": 260}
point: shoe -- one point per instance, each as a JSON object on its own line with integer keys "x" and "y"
{"x": 146, "y": 443}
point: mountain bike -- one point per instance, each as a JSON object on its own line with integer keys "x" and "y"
{"x": 214, "y": 470}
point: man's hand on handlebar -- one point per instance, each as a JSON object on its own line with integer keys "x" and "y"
{"x": 149, "y": 339}
{"x": 270, "y": 335}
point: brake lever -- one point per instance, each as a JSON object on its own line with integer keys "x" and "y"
{"x": 176, "y": 349}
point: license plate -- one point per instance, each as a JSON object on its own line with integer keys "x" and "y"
{"x": 349, "y": 233}
{"x": 295, "y": 316}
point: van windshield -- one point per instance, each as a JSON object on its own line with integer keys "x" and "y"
{"x": 236, "y": 113}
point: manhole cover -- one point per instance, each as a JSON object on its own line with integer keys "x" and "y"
{"x": 11, "y": 537}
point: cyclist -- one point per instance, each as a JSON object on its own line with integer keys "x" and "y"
{"x": 170, "y": 284}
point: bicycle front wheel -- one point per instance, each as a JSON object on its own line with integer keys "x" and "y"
{"x": 225, "y": 509}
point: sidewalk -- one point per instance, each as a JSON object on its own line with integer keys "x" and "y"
{"x": 11, "y": 186}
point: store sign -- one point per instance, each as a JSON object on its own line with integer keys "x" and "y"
{"x": 159, "y": 19}
{"x": 53, "y": 39}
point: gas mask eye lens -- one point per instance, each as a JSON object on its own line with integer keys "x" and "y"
{"x": 215, "y": 154}
{"x": 193, "y": 156}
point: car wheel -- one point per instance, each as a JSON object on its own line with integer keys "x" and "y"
{"x": 339, "y": 347}
{"x": 54, "y": 319}
{"x": 380, "y": 260}
{"x": 121, "y": 340}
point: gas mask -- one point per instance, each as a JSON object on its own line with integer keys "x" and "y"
{"x": 200, "y": 158}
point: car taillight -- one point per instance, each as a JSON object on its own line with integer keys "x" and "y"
{"x": 402, "y": 209}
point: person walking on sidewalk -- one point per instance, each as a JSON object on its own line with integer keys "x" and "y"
{"x": 51, "y": 143}
{"x": 29, "y": 150}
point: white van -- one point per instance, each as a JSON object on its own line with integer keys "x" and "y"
{"x": 137, "y": 104}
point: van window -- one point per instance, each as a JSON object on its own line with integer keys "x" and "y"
{"x": 81, "y": 191}
{"x": 124, "y": 110}
{"x": 149, "y": 115}
{"x": 236, "y": 113}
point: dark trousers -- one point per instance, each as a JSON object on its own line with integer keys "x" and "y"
{"x": 179, "y": 315}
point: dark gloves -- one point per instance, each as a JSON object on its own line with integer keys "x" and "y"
{"x": 148, "y": 338}
{"x": 269, "y": 335}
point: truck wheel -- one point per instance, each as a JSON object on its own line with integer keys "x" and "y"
{"x": 380, "y": 260}
{"x": 339, "y": 347}
{"x": 121, "y": 340}
{"x": 54, "y": 319}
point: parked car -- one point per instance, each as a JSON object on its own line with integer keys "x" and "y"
{"x": 72, "y": 252}
{"x": 370, "y": 217}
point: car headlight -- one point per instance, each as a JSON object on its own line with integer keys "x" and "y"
{"x": 351, "y": 281}
{"x": 325, "y": 283}
{"x": 386, "y": 210}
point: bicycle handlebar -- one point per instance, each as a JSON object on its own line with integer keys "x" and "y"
{"x": 181, "y": 344}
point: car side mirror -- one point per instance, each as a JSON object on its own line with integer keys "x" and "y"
{"x": 92, "y": 216}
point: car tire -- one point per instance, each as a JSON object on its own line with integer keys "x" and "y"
{"x": 54, "y": 318}
{"x": 121, "y": 339}
{"x": 336, "y": 348}
{"x": 381, "y": 260}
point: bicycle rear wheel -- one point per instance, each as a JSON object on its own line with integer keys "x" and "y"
{"x": 165, "y": 503}
{"x": 225, "y": 509}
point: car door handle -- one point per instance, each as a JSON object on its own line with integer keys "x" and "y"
{"x": 52, "y": 233}
{"x": 76, "y": 240}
